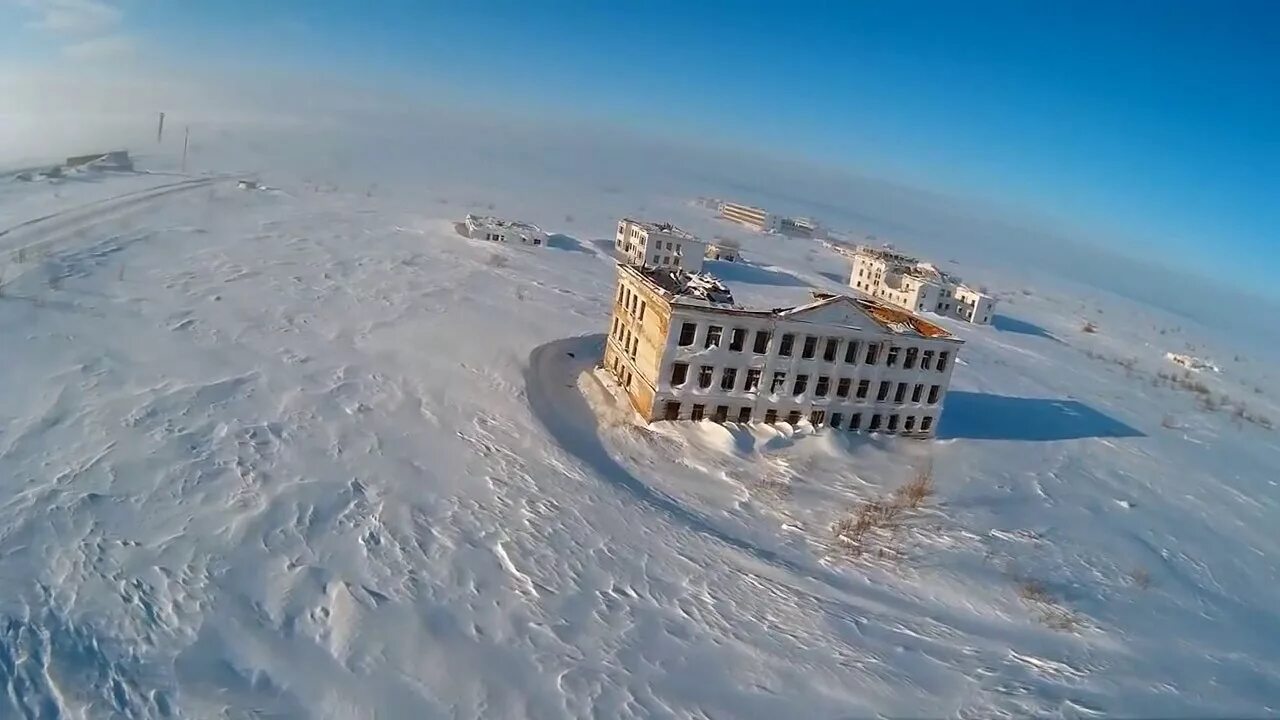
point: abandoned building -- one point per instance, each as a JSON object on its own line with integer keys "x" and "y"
{"x": 917, "y": 286}
{"x": 486, "y": 227}
{"x": 724, "y": 249}
{"x": 683, "y": 350}
{"x": 652, "y": 244}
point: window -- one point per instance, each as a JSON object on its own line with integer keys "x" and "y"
{"x": 672, "y": 412}
{"x": 916, "y": 393}
{"x": 788, "y": 340}
{"x": 926, "y": 360}
{"x": 851, "y": 352}
{"x": 816, "y": 417}
{"x": 891, "y": 360}
{"x": 753, "y": 380}
{"x": 713, "y": 336}
{"x": 893, "y": 423}
{"x": 855, "y": 421}
{"x": 704, "y": 376}
{"x": 901, "y": 393}
{"x": 908, "y": 362}
{"x": 942, "y": 361}
{"x": 810, "y": 347}
{"x": 737, "y": 339}
{"x": 635, "y": 345}
{"x": 829, "y": 352}
{"x": 698, "y": 412}
{"x": 836, "y": 420}
{"x": 802, "y": 382}
{"x": 729, "y": 378}
{"x": 883, "y": 393}
{"x": 875, "y": 422}
{"x": 687, "y": 331}
{"x": 779, "y": 380}
{"x": 864, "y": 387}
{"x": 822, "y": 387}
{"x": 909, "y": 424}
{"x": 668, "y": 246}
{"x": 642, "y": 306}
{"x": 621, "y": 293}
{"x": 744, "y": 415}
{"x": 721, "y": 414}
{"x": 770, "y": 416}
{"x": 842, "y": 388}
{"x": 615, "y": 326}
{"x": 679, "y": 373}
{"x": 873, "y": 352}
{"x": 793, "y": 417}
{"x": 926, "y": 423}
{"x": 762, "y": 342}
{"x": 933, "y": 394}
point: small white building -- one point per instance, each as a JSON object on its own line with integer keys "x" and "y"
{"x": 917, "y": 286}
{"x": 659, "y": 245}
{"x": 724, "y": 249}
{"x": 486, "y": 227}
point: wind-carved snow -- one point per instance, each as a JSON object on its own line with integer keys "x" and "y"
{"x": 309, "y": 453}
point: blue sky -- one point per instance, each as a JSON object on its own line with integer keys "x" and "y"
{"x": 1149, "y": 127}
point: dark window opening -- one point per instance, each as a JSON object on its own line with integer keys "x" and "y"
{"x": 864, "y": 387}
{"x": 744, "y": 415}
{"x": 704, "y": 376}
{"x": 737, "y": 339}
{"x": 842, "y": 387}
{"x": 713, "y": 336}
{"x": 851, "y": 352}
{"x": 816, "y": 417}
{"x": 836, "y": 420}
{"x": 934, "y": 391}
{"x": 942, "y": 361}
{"x": 891, "y": 360}
{"x": 762, "y": 343}
{"x": 883, "y": 393}
{"x": 721, "y": 414}
{"x": 855, "y": 421}
{"x": 875, "y": 422}
{"x": 873, "y": 352}
{"x": 753, "y": 380}
{"x": 728, "y": 378}
{"x": 698, "y": 412}
{"x": 687, "y": 331}
{"x": 909, "y": 424}
{"x": 823, "y": 385}
{"x": 909, "y": 361}
{"x": 829, "y": 352}
{"x": 779, "y": 381}
{"x": 901, "y": 393}
{"x": 770, "y": 416}
{"x": 679, "y": 373}
{"x": 793, "y": 417}
{"x": 926, "y": 423}
{"x": 788, "y": 340}
{"x": 916, "y": 393}
{"x": 672, "y": 411}
{"x": 810, "y": 348}
{"x": 802, "y": 382}
{"x": 893, "y": 423}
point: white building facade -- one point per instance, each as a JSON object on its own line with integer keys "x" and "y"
{"x": 840, "y": 362}
{"x": 917, "y": 286}
{"x": 725, "y": 250}
{"x": 753, "y": 217}
{"x": 659, "y": 245}
{"x": 485, "y": 227}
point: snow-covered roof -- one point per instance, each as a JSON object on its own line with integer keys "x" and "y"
{"x": 679, "y": 284}
{"x": 497, "y": 222}
{"x": 665, "y": 228}
{"x": 889, "y": 318}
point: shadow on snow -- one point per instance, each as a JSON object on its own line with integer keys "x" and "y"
{"x": 1004, "y": 323}
{"x": 560, "y": 241}
{"x": 745, "y": 272}
{"x": 982, "y": 416}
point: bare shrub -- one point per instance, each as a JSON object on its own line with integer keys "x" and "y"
{"x": 917, "y": 489}
{"x": 1089, "y": 327}
{"x": 1034, "y": 591}
{"x": 1051, "y": 614}
{"x": 1140, "y": 578}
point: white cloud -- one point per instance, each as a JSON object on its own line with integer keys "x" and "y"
{"x": 77, "y": 18}
{"x": 107, "y": 47}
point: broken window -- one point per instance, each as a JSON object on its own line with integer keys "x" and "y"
{"x": 883, "y": 393}
{"x": 873, "y": 352}
{"x": 687, "y": 331}
{"x": 728, "y": 378}
{"x": 744, "y": 415}
{"x": 836, "y": 420}
{"x": 672, "y": 411}
{"x": 893, "y": 423}
{"x": 642, "y": 306}
{"x": 679, "y": 373}
{"x": 855, "y": 421}
{"x": 891, "y": 360}
{"x": 793, "y": 417}
{"x": 926, "y": 423}
{"x": 842, "y": 387}
{"x": 816, "y": 417}
{"x": 697, "y": 412}
{"x": 762, "y": 342}
{"x": 779, "y": 381}
{"x": 934, "y": 391}
{"x": 721, "y": 414}
{"x": 737, "y": 339}
{"x": 908, "y": 362}
{"x": 829, "y": 352}
{"x": 875, "y": 422}
{"x": 810, "y": 347}
{"x": 823, "y": 385}
{"x": 802, "y": 382}
{"x": 901, "y": 393}
{"x": 909, "y": 424}
{"x": 851, "y": 352}
{"x": 713, "y": 336}
{"x": 926, "y": 360}
{"x": 753, "y": 380}
{"x": 916, "y": 393}
{"x": 864, "y": 387}
{"x": 704, "y": 376}
{"x": 770, "y": 416}
{"x": 942, "y": 361}
{"x": 788, "y": 340}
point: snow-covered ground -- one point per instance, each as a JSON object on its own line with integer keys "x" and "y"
{"x": 307, "y": 452}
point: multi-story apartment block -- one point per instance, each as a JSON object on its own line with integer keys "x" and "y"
{"x": 753, "y": 217}
{"x": 498, "y": 230}
{"x": 682, "y": 350}
{"x": 660, "y": 245}
{"x": 917, "y": 286}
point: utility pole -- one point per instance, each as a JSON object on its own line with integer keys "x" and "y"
{"x": 160, "y": 129}
{"x": 186, "y": 139}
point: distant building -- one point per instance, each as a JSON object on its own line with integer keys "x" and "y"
{"x": 111, "y": 160}
{"x": 917, "y": 286}
{"x": 753, "y": 217}
{"x": 485, "y": 227}
{"x": 662, "y": 245}
{"x": 723, "y": 249}
{"x": 801, "y": 227}
{"x": 683, "y": 350}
